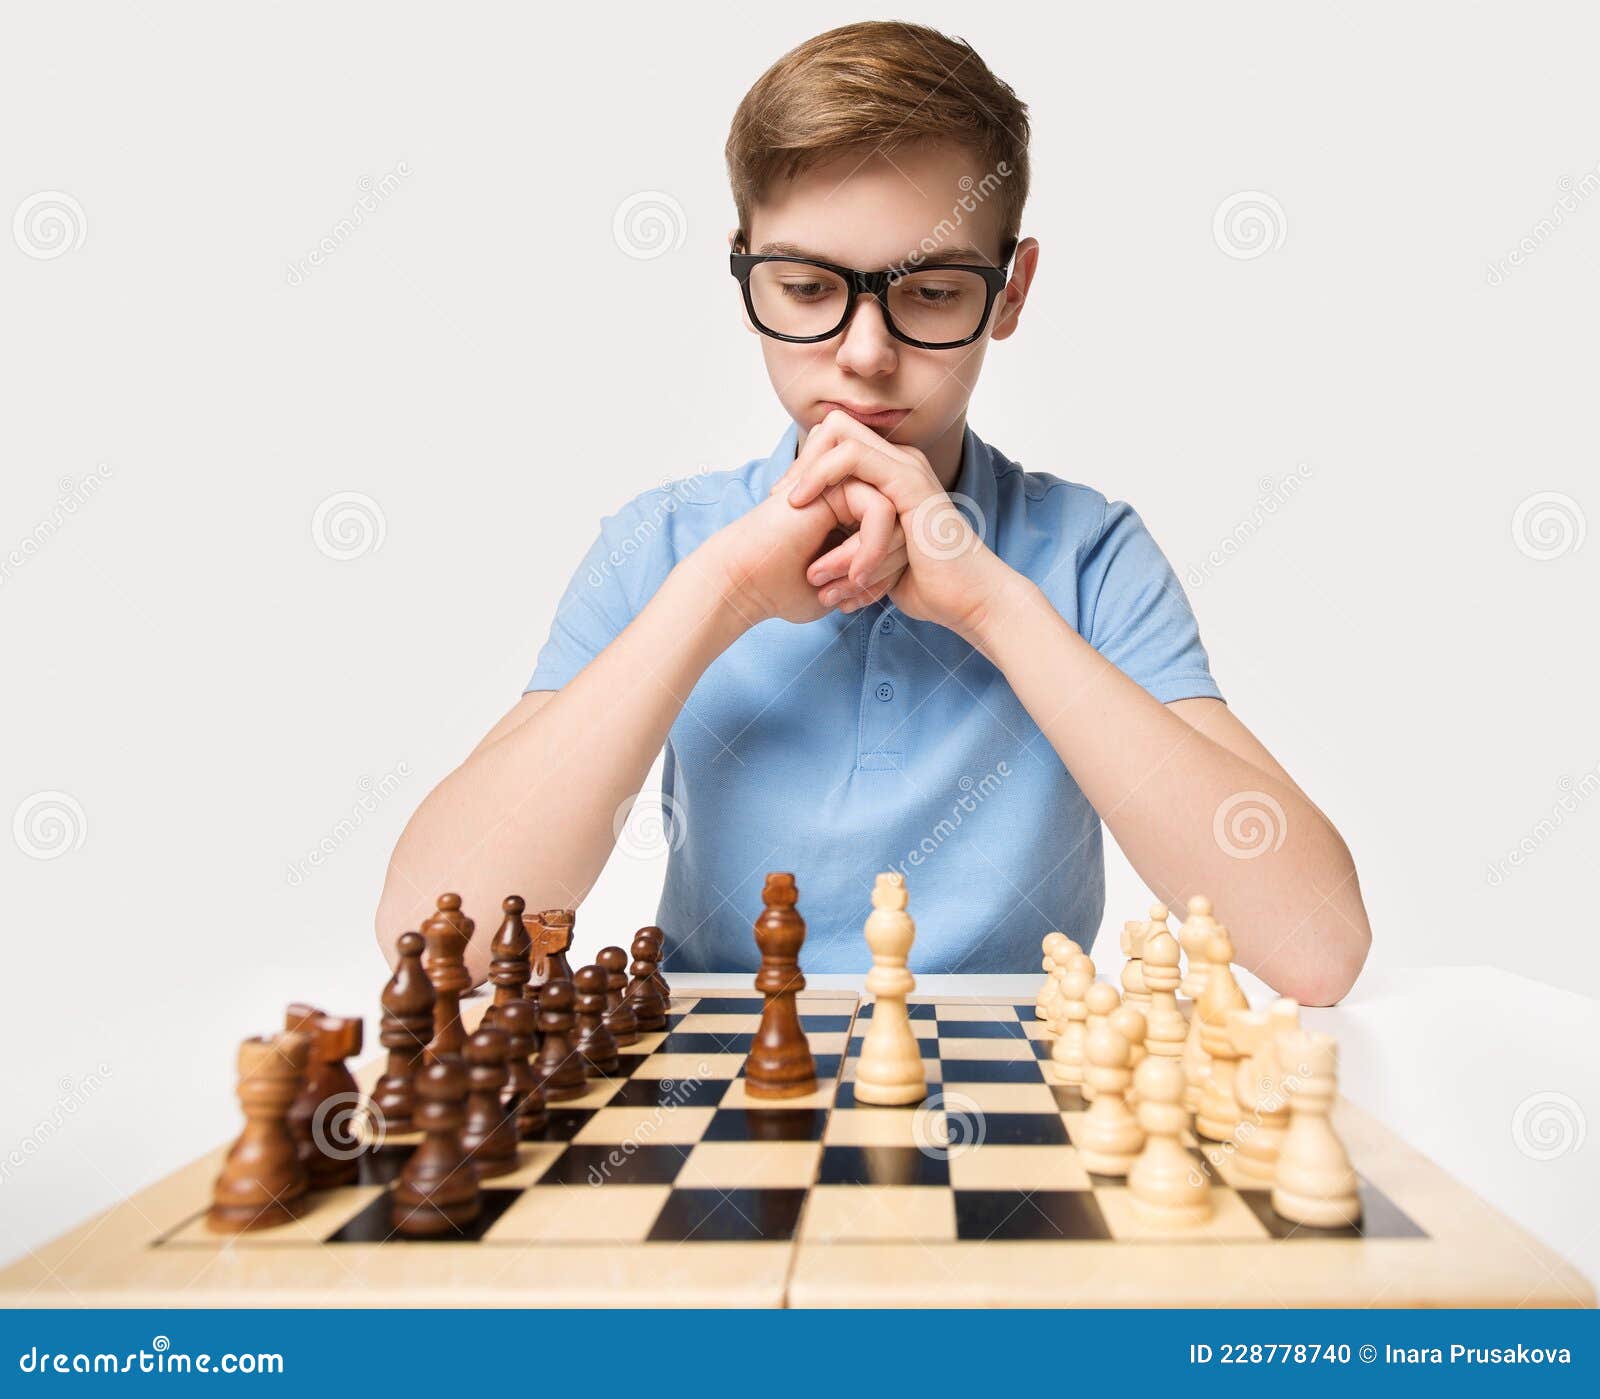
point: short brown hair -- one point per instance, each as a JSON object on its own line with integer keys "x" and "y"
{"x": 876, "y": 86}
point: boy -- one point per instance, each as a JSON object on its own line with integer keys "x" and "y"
{"x": 885, "y": 646}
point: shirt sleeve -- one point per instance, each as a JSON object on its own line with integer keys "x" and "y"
{"x": 620, "y": 573}
{"x": 1136, "y": 614}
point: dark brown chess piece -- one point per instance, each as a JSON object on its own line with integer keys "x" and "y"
{"x": 489, "y": 1134}
{"x": 324, "y": 1115}
{"x": 405, "y": 1030}
{"x": 660, "y": 939}
{"x": 562, "y": 925}
{"x": 437, "y": 1192}
{"x": 649, "y": 1008}
{"x": 596, "y": 1045}
{"x": 263, "y": 1183}
{"x": 558, "y": 1069}
{"x": 523, "y": 1096}
{"x": 780, "y": 1064}
{"x": 510, "y": 969}
{"x": 447, "y": 934}
{"x": 613, "y": 961}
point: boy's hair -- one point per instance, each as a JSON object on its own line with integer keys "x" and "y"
{"x": 876, "y": 86}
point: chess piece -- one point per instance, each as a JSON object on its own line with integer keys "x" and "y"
{"x": 263, "y": 1183}
{"x": 1196, "y": 937}
{"x": 644, "y": 997}
{"x": 1109, "y": 1135}
{"x": 437, "y": 1192}
{"x": 489, "y": 1130}
{"x": 512, "y": 950}
{"x": 1315, "y": 1183}
{"x": 1217, "y": 1112}
{"x": 522, "y": 1097}
{"x": 1129, "y": 1022}
{"x": 559, "y": 1070}
{"x": 1167, "y": 1028}
{"x": 620, "y": 1020}
{"x": 561, "y": 926}
{"x": 447, "y": 934}
{"x": 1041, "y": 1004}
{"x": 1099, "y": 1001}
{"x": 889, "y": 1071}
{"x": 1168, "y": 1187}
{"x": 1257, "y": 1086}
{"x": 1134, "y": 990}
{"x": 1066, "y": 1054}
{"x": 595, "y": 1046}
{"x": 779, "y": 1064}
{"x": 324, "y": 1114}
{"x": 660, "y": 939}
{"x": 1066, "y": 952}
{"x": 405, "y": 1030}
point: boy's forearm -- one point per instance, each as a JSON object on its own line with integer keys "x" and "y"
{"x": 1296, "y": 917}
{"x": 534, "y": 812}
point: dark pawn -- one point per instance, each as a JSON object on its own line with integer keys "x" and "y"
{"x": 558, "y": 1069}
{"x": 437, "y": 1192}
{"x": 447, "y": 934}
{"x": 780, "y": 1064}
{"x": 263, "y": 1183}
{"x": 613, "y": 961}
{"x": 660, "y": 940}
{"x": 406, "y": 1028}
{"x": 523, "y": 1097}
{"x": 595, "y": 1045}
{"x": 649, "y": 1007}
{"x": 489, "y": 1136}
{"x": 510, "y": 969}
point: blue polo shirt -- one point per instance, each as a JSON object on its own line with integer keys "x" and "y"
{"x": 874, "y": 742}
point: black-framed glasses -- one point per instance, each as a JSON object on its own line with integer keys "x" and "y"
{"x": 803, "y": 300}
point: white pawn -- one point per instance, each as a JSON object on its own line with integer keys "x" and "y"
{"x": 1315, "y": 1183}
{"x": 1109, "y": 1136}
{"x": 1258, "y": 1086}
{"x": 1167, "y": 1027}
{"x": 1066, "y": 952}
{"x": 1167, "y": 1185}
{"x": 1217, "y": 1111}
{"x": 1066, "y": 1054}
{"x": 1129, "y": 1022}
{"x": 1099, "y": 1002}
{"x": 1041, "y": 1004}
{"x": 1134, "y": 991}
{"x": 1196, "y": 936}
{"x": 889, "y": 1071}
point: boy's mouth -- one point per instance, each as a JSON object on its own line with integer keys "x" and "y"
{"x": 882, "y": 419}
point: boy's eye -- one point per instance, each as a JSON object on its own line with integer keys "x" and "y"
{"x": 806, "y": 291}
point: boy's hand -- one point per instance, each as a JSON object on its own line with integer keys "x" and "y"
{"x": 947, "y": 575}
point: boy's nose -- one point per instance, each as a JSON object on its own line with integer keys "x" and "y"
{"x": 865, "y": 345}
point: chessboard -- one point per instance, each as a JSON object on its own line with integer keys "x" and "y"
{"x": 666, "y": 1184}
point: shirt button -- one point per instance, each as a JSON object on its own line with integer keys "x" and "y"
{"x": 887, "y": 624}
{"x": 886, "y": 691}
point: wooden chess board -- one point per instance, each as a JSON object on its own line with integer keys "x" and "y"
{"x": 667, "y": 1185}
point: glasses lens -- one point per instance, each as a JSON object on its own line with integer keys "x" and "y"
{"x": 794, "y": 298}
{"x": 938, "y": 304}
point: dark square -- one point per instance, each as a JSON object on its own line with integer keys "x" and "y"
{"x": 616, "y": 1163}
{"x": 375, "y": 1224}
{"x": 1019, "y": 1128}
{"x": 1042, "y": 1048}
{"x": 979, "y": 1030}
{"x": 627, "y": 1063}
{"x": 670, "y": 1092}
{"x": 1381, "y": 1218}
{"x": 1029, "y": 1012}
{"x": 722, "y": 1216}
{"x": 766, "y": 1125}
{"x": 1051, "y": 1215}
{"x": 928, "y": 1048}
{"x": 1069, "y": 1098}
{"x": 845, "y": 1097}
{"x": 827, "y": 1066}
{"x": 562, "y": 1124}
{"x": 383, "y": 1166}
{"x": 823, "y": 1024}
{"x": 700, "y": 1043}
{"x": 730, "y": 1005}
{"x": 991, "y": 1071}
{"x": 883, "y": 1165}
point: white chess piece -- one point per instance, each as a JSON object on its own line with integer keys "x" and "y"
{"x": 1134, "y": 991}
{"x": 1099, "y": 1002}
{"x": 1109, "y": 1135}
{"x": 1217, "y": 1111}
{"x": 1066, "y": 1054}
{"x": 1167, "y": 1028}
{"x": 889, "y": 1071}
{"x": 1257, "y": 1085}
{"x": 1195, "y": 935}
{"x": 1129, "y": 1022}
{"x": 1315, "y": 1183}
{"x": 1041, "y": 1004}
{"x": 1169, "y": 1188}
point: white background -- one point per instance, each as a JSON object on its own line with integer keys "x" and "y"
{"x": 489, "y": 362}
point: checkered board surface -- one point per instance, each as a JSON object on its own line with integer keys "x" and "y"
{"x": 668, "y": 1184}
